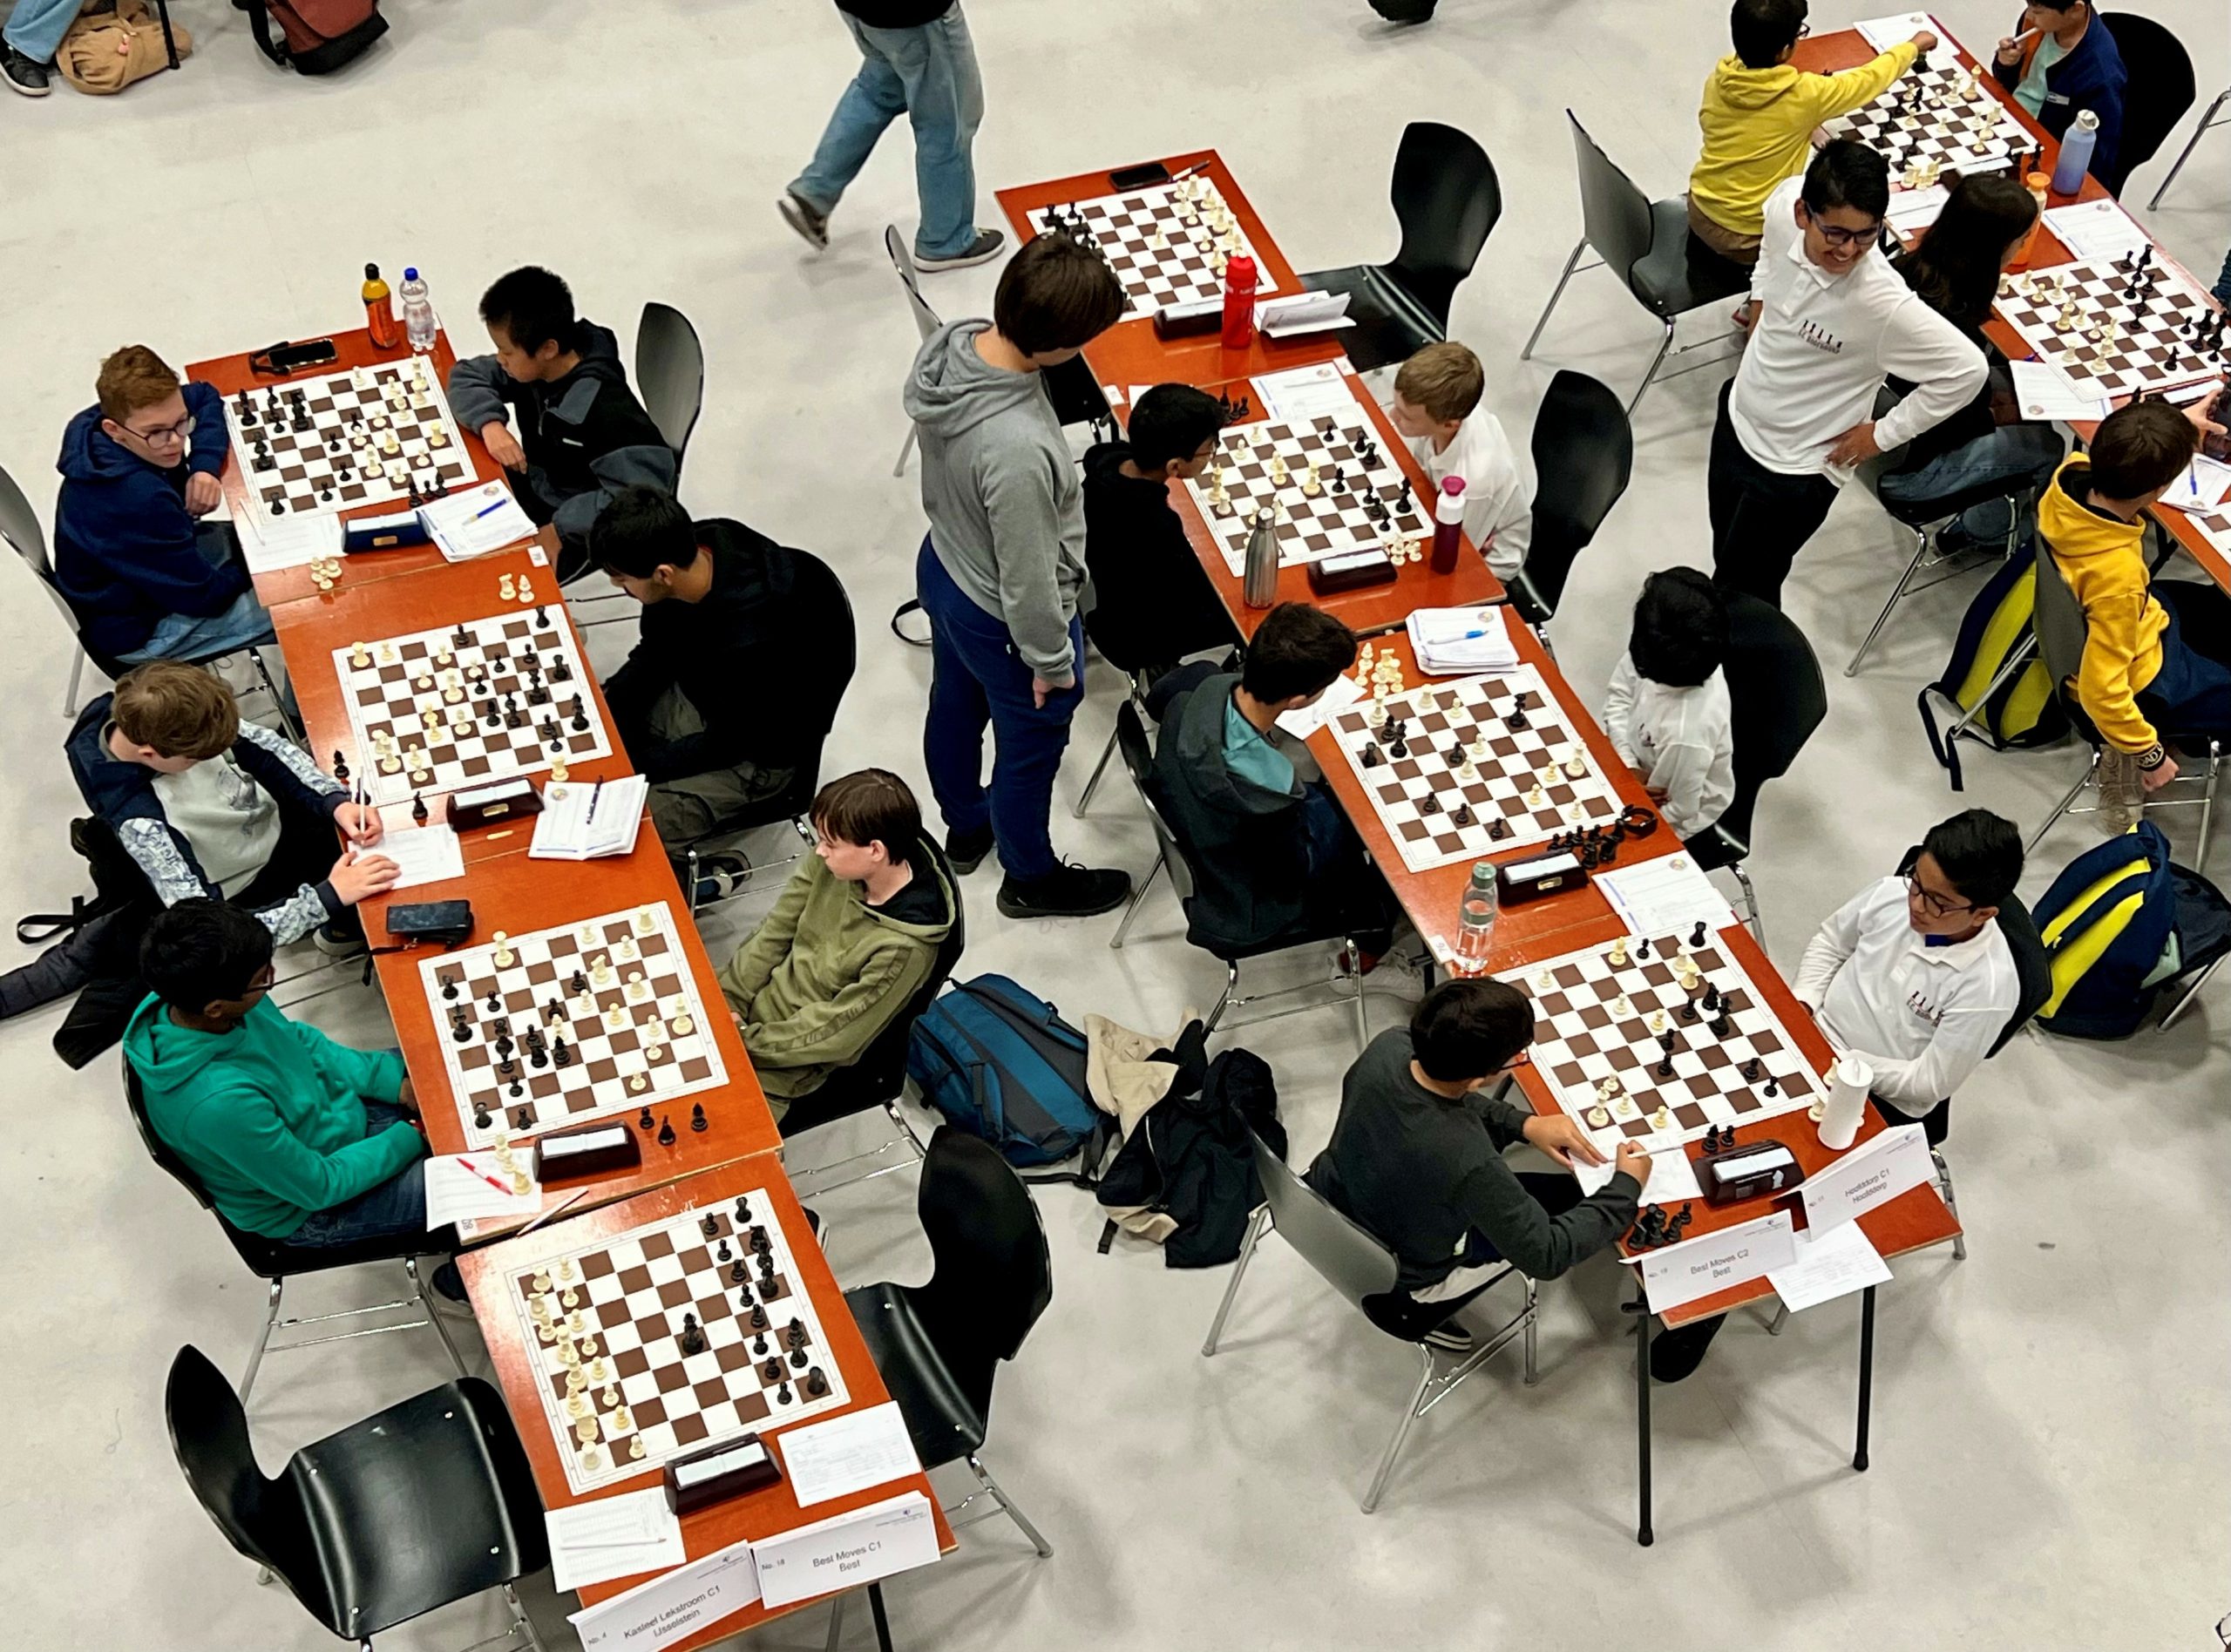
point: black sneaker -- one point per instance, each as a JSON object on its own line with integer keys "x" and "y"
{"x": 722, "y": 876}
{"x": 1450, "y": 1337}
{"x": 985, "y": 247}
{"x": 1075, "y": 892}
{"x": 811, "y": 222}
{"x": 965, "y": 850}
{"x": 22, "y": 73}
{"x": 821, "y": 1230}
{"x": 1675, "y": 1355}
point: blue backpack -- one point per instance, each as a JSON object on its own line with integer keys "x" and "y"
{"x": 1000, "y": 1063}
{"x": 2121, "y": 922}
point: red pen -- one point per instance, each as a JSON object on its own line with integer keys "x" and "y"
{"x": 484, "y": 1176}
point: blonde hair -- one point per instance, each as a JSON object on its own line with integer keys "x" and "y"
{"x": 1445, "y": 379}
{"x": 180, "y": 710}
{"x": 132, "y": 378}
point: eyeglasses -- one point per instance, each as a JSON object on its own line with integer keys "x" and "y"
{"x": 176, "y": 432}
{"x": 1836, "y": 237}
{"x": 1935, "y": 905}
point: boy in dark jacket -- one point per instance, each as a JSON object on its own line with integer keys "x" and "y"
{"x": 147, "y": 575}
{"x": 1274, "y": 853}
{"x": 582, "y": 433}
{"x": 2059, "y": 61}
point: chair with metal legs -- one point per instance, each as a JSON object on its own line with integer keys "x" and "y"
{"x": 1927, "y": 520}
{"x": 925, "y": 319}
{"x": 2160, "y": 87}
{"x": 1362, "y": 1269}
{"x": 1136, "y": 691}
{"x": 2213, "y": 118}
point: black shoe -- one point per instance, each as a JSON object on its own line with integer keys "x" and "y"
{"x": 1075, "y": 892}
{"x": 448, "y": 1283}
{"x": 1449, "y": 1336}
{"x": 985, "y": 247}
{"x": 821, "y": 1230}
{"x": 801, "y": 214}
{"x": 22, "y": 73}
{"x": 1675, "y": 1355}
{"x": 965, "y": 850}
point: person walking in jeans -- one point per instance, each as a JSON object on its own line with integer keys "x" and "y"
{"x": 1000, "y": 569}
{"x": 916, "y": 59}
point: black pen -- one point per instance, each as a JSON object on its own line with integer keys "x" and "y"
{"x": 593, "y": 791}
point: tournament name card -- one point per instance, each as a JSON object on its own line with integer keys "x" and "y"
{"x": 1717, "y": 1261}
{"x": 1876, "y": 1172}
{"x": 673, "y": 1605}
{"x": 847, "y": 1550}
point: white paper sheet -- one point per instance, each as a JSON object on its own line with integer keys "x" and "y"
{"x": 2096, "y": 229}
{"x": 425, "y": 854}
{"x": 1300, "y": 393}
{"x": 1305, "y": 720}
{"x": 2044, "y": 392}
{"x": 1882, "y": 33}
{"x": 1455, "y": 642}
{"x": 1661, "y": 896}
{"x": 269, "y": 543}
{"x": 476, "y": 522}
{"x": 684, "y": 1601}
{"x": 847, "y": 1550}
{"x": 615, "y": 1536}
{"x": 460, "y": 1185}
{"x": 847, "y": 1454}
{"x": 1718, "y": 1260}
{"x": 1829, "y": 1265}
{"x": 2201, "y": 487}
{"x": 1672, "y": 1178}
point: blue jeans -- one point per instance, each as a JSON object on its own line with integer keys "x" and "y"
{"x": 36, "y": 27}
{"x": 184, "y": 636}
{"x": 2013, "y": 456}
{"x": 396, "y": 1207}
{"x": 976, "y": 678}
{"x": 929, "y": 75}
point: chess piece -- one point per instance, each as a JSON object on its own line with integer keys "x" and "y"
{"x": 697, "y": 1117}
{"x": 1696, "y": 936}
{"x": 666, "y": 1137}
{"x": 419, "y": 809}
{"x": 693, "y": 1339}
{"x": 644, "y": 1122}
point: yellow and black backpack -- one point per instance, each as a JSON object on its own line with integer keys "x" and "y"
{"x": 2018, "y": 713}
{"x": 2120, "y": 924}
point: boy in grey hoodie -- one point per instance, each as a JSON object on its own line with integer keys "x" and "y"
{"x": 1000, "y": 568}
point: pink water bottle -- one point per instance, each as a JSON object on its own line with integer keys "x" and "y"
{"x": 1239, "y": 302}
{"x": 1448, "y": 524}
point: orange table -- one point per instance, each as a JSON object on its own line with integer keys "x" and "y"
{"x": 757, "y": 1515}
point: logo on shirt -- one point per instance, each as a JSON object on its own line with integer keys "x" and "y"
{"x": 1820, "y": 338}
{"x": 1919, "y": 1003}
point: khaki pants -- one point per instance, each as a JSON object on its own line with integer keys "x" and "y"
{"x": 1739, "y": 249}
{"x": 696, "y": 806}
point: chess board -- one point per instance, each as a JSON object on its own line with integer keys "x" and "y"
{"x": 330, "y": 454}
{"x": 1309, "y": 526}
{"x": 2145, "y": 351}
{"x": 466, "y": 699}
{"x": 1520, "y": 775}
{"x": 637, "y": 1037}
{"x": 616, "y": 1306}
{"x": 1596, "y": 1021}
{"x": 1188, "y": 264}
{"x": 2214, "y": 526}
{"x": 1940, "y": 118}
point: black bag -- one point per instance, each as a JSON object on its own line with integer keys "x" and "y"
{"x": 316, "y": 37}
{"x": 94, "y": 945}
{"x": 1189, "y": 1158}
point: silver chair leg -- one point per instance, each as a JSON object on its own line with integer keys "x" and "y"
{"x": 1897, "y": 591}
{"x": 1224, "y": 998}
{"x": 1363, "y": 1016}
{"x": 1532, "y": 1316}
{"x": 1951, "y": 1202}
{"x": 1556, "y": 293}
{"x": 2191, "y": 144}
{"x": 835, "y": 1620}
{"x": 1402, "y": 1431}
{"x": 905, "y": 448}
{"x": 1256, "y": 1225}
{"x": 262, "y": 1340}
{"x": 520, "y": 1622}
{"x": 418, "y": 1289}
{"x": 2185, "y": 1002}
{"x": 2062, "y": 806}
{"x": 69, "y": 693}
{"x": 1092, "y": 785}
{"x": 2017, "y": 661}
{"x": 278, "y": 701}
{"x": 1781, "y": 1319}
{"x": 1656, "y": 362}
{"x": 1137, "y": 894}
{"x": 1750, "y": 902}
{"x": 2208, "y": 804}
{"x": 984, "y": 1475}
{"x": 689, "y": 864}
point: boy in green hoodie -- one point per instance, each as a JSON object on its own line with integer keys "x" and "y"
{"x": 1759, "y": 117}
{"x": 849, "y": 944}
{"x": 293, "y": 1136}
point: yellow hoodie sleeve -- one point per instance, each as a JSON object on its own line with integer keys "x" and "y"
{"x": 1828, "y": 96}
{"x": 2115, "y": 636}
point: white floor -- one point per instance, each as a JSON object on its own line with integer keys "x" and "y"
{"x": 2051, "y": 1435}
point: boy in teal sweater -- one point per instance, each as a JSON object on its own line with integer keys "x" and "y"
{"x": 295, "y": 1137}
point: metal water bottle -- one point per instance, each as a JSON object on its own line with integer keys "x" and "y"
{"x": 1448, "y": 524}
{"x": 2076, "y": 154}
{"x": 1262, "y": 587}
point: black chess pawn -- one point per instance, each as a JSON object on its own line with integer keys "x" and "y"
{"x": 1712, "y": 998}
{"x": 666, "y": 1133}
{"x": 449, "y": 987}
{"x": 1750, "y": 1071}
{"x": 726, "y": 1252}
{"x": 743, "y": 1211}
{"x": 522, "y": 1117}
{"x": 579, "y": 717}
{"x": 783, "y": 1395}
{"x": 1642, "y": 947}
{"x": 495, "y": 1004}
{"x": 772, "y": 1371}
{"x": 798, "y": 1359}
{"x": 1696, "y": 936}
{"x": 1773, "y": 1085}
{"x": 418, "y": 809}
{"x": 1398, "y": 748}
{"x": 481, "y": 1120}
{"x": 1688, "y": 1010}
{"x": 561, "y": 1053}
{"x": 758, "y": 1322}
{"x": 697, "y": 1117}
{"x": 759, "y": 1348}
{"x": 709, "y": 1226}
{"x": 693, "y": 1339}
{"x": 794, "y": 1336}
{"x": 737, "y": 1277}
{"x": 1497, "y": 829}
{"x": 815, "y": 1384}
{"x": 1719, "y": 1027}
{"x": 1429, "y": 804}
{"x": 1460, "y": 816}
{"x": 1371, "y": 756}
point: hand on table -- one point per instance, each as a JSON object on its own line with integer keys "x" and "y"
{"x": 202, "y": 494}
{"x": 1561, "y": 1137}
{"x": 1854, "y": 446}
{"x": 360, "y": 823}
{"x": 355, "y": 875}
{"x": 503, "y": 446}
{"x": 1634, "y": 1161}
{"x": 2156, "y": 778}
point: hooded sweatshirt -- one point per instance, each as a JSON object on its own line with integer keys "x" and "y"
{"x": 826, "y": 972}
{"x": 2103, "y": 558}
{"x": 1758, "y": 128}
{"x": 270, "y": 1115}
{"x": 584, "y": 435}
{"x": 1006, "y": 514}
{"x": 1151, "y": 601}
{"x": 124, "y": 556}
{"x": 1250, "y": 841}
{"x": 2092, "y": 76}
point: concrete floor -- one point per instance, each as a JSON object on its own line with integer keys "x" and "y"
{"x": 2050, "y": 1434}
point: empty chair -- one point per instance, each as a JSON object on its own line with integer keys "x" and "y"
{"x": 1448, "y": 198}
{"x": 2162, "y": 87}
{"x": 1646, "y": 244}
{"x": 1926, "y": 519}
{"x": 925, "y": 319}
{"x": 1360, "y": 1268}
{"x": 422, "y": 1504}
{"x": 2213, "y": 118}
{"x": 1584, "y": 455}
{"x": 670, "y": 376}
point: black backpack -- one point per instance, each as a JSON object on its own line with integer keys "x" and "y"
{"x": 316, "y": 37}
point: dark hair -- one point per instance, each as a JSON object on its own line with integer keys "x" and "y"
{"x": 200, "y": 951}
{"x": 2140, "y": 447}
{"x": 1956, "y": 267}
{"x": 1763, "y": 29}
{"x": 1848, "y": 173}
{"x": 1297, "y": 650}
{"x": 1171, "y": 421}
{"x": 1979, "y": 854}
{"x": 1467, "y": 1029}
{"x": 532, "y": 306}
{"x": 1680, "y": 632}
{"x": 870, "y": 806}
{"x": 1057, "y": 293}
{"x": 641, "y": 529}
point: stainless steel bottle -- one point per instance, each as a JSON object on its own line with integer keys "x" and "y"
{"x": 1262, "y": 587}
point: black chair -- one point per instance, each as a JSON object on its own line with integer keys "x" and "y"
{"x": 1447, "y": 196}
{"x": 2208, "y": 121}
{"x": 2160, "y": 89}
{"x": 670, "y": 376}
{"x": 425, "y": 1503}
{"x": 1647, "y": 245}
{"x": 276, "y": 1262}
{"x": 939, "y": 1345}
{"x": 1584, "y": 455}
{"x": 1780, "y": 698}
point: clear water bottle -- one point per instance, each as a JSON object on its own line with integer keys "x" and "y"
{"x": 418, "y": 321}
{"x": 1476, "y": 920}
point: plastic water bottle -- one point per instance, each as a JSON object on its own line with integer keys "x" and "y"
{"x": 418, "y": 312}
{"x": 1476, "y": 919}
{"x": 1448, "y": 524}
{"x": 2076, "y": 154}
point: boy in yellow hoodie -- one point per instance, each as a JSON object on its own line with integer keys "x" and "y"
{"x": 1759, "y": 117}
{"x": 2154, "y": 657}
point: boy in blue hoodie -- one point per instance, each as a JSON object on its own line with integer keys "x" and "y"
{"x": 147, "y": 574}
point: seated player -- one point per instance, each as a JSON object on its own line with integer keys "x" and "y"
{"x": 1759, "y": 116}
{"x": 1416, "y": 1160}
{"x": 848, "y": 946}
{"x": 1912, "y": 974}
{"x": 1437, "y": 406}
{"x": 2156, "y": 656}
{"x": 294, "y": 1137}
{"x": 1274, "y": 852}
{"x": 1152, "y": 602}
{"x": 147, "y": 575}
{"x": 581, "y": 431}
{"x": 207, "y": 805}
{"x": 2068, "y": 63}
{"x": 705, "y": 702}
{"x": 1667, "y": 710}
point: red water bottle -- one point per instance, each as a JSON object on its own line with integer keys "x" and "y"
{"x": 1448, "y": 524}
{"x": 1239, "y": 302}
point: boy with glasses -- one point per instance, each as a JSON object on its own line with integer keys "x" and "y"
{"x": 148, "y": 575}
{"x": 1829, "y": 318}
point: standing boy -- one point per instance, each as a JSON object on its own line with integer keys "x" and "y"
{"x": 1437, "y": 406}
{"x": 1000, "y": 568}
{"x": 2059, "y": 61}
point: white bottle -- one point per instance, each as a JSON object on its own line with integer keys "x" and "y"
{"x": 418, "y": 323}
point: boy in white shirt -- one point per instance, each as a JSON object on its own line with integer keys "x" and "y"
{"x": 1437, "y": 408}
{"x": 1914, "y": 974}
{"x": 1667, "y": 710}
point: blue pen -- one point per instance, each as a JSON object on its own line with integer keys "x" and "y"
{"x": 490, "y": 511}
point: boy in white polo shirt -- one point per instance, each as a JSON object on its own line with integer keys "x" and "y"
{"x": 1829, "y": 318}
{"x": 1913, "y": 973}
{"x": 1437, "y": 407}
